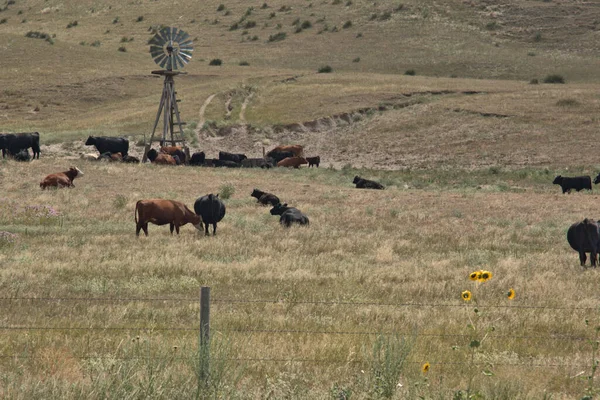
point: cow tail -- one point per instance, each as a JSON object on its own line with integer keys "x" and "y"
{"x": 135, "y": 212}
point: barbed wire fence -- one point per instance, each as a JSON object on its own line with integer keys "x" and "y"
{"x": 203, "y": 327}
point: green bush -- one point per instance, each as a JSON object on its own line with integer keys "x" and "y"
{"x": 72, "y": 24}
{"x": 221, "y": 7}
{"x": 215, "y": 61}
{"x": 226, "y": 191}
{"x": 244, "y": 63}
{"x": 410, "y": 72}
{"x": 306, "y": 25}
{"x": 534, "y": 81}
{"x": 140, "y": 18}
{"x": 555, "y": 78}
{"x": 249, "y": 24}
{"x": 122, "y": 49}
{"x": 347, "y": 24}
{"x": 277, "y": 37}
{"x": 325, "y": 69}
{"x": 357, "y": 59}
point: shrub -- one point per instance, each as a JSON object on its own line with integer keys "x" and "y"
{"x": 296, "y": 22}
{"x": 534, "y": 81}
{"x": 555, "y": 78}
{"x": 325, "y": 69}
{"x": 359, "y": 35}
{"x": 298, "y": 30}
{"x": 215, "y": 61}
{"x": 537, "y": 37}
{"x": 285, "y": 8}
{"x": 244, "y": 63}
{"x": 410, "y": 72}
{"x": 116, "y": 20}
{"x": 348, "y": 3}
{"x": 226, "y": 191}
{"x": 385, "y": 16}
{"x": 122, "y": 49}
{"x": 272, "y": 15}
{"x": 120, "y": 201}
{"x": 531, "y": 54}
{"x": 336, "y": 2}
{"x": 347, "y": 24}
{"x": 265, "y": 5}
{"x": 567, "y": 103}
{"x": 306, "y": 25}
{"x": 72, "y": 24}
{"x": 140, "y": 18}
{"x": 250, "y": 24}
{"x": 96, "y": 43}
{"x": 279, "y": 36}
{"x": 234, "y": 26}
{"x": 221, "y": 7}
{"x": 357, "y": 59}
{"x": 490, "y": 26}
{"x": 254, "y": 38}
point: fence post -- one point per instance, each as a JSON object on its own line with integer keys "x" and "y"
{"x": 204, "y": 352}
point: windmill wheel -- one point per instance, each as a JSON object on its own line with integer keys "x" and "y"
{"x": 171, "y": 48}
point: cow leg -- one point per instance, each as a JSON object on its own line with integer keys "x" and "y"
{"x": 582, "y": 258}
{"x": 138, "y": 226}
{"x": 177, "y": 229}
{"x": 214, "y": 228}
{"x": 145, "y": 228}
{"x": 593, "y": 258}
{"x": 171, "y": 226}
{"x": 206, "y": 230}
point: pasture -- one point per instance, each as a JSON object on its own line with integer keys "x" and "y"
{"x": 393, "y": 262}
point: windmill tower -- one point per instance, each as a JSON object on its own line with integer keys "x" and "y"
{"x": 171, "y": 48}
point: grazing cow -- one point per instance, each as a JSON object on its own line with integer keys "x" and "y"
{"x": 198, "y": 158}
{"x": 313, "y": 161}
{"x": 289, "y": 215}
{"x": 106, "y": 144}
{"x": 366, "y": 184}
{"x": 265, "y": 198}
{"x": 161, "y": 159}
{"x": 225, "y": 163}
{"x": 258, "y": 163}
{"x": 89, "y": 157}
{"x": 294, "y": 148}
{"x": 584, "y": 237}
{"x": 295, "y": 162}
{"x": 236, "y": 158}
{"x": 211, "y": 209}
{"x": 277, "y": 156}
{"x": 23, "y": 155}
{"x": 15, "y": 142}
{"x": 130, "y": 159}
{"x": 577, "y": 182}
{"x": 162, "y": 212}
{"x": 61, "y": 179}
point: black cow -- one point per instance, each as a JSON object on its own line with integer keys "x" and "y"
{"x": 152, "y": 154}
{"x": 258, "y": 163}
{"x": 225, "y": 163}
{"x": 366, "y": 184}
{"x": 13, "y": 143}
{"x": 198, "y": 158}
{"x": 106, "y": 144}
{"x": 211, "y": 209}
{"x": 313, "y": 161}
{"x": 236, "y": 158}
{"x": 279, "y": 155}
{"x": 180, "y": 155}
{"x": 265, "y": 198}
{"x": 584, "y": 237}
{"x": 577, "y": 182}
{"x": 23, "y": 155}
{"x": 289, "y": 215}
{"x": 597, "y": 179}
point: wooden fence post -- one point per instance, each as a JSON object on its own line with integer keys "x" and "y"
{"x": 204, "y": 352}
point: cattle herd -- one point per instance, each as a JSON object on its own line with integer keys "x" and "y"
{"x": 583, "y": 237}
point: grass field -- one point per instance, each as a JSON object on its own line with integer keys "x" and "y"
{"x": 355, "y": 304}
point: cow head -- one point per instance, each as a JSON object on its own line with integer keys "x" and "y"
{"x": 279, "y": 209}
{"x": 557, "y": 180}
{"x": 90, "y": 141}
{"x": 152, "y": 154}
{"x": 76, "y": 171}
{"x": 197, "y": 222}
{"x": 356, "y": 179}
{"x": 597, "y": 179}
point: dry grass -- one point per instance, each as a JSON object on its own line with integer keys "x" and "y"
{"x": 397, "y": 246}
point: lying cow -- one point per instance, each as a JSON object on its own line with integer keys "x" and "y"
{"x": 175, "y": 151}
{"x": 294, "y": 162}
{"x": 131, "y": 159}
{"x": 106, "y": 144}
{"x": 584, "y": 237}
{"x": 23, "y": 155}
{"x": 577, "y": 182}
{"x": 236, "y": 158}
{"x": 224, "y": 163}
{"x": 198, "y": 158}
{"x": 162, "y": 212}
{"x": 162, "y": 158}
{"x": 366, "y": 184}
{"x": 211, "y": 209}
{"x": 313, "y": 161}
{"x": 296, "y": 149}
{"x": 13, "y": 143}
{"x": 111, "y": 157}
{"x": 61, "y": 179}
{"x": 89, "y": 157}
{"x": 265, "y": 198}
{"x": 258, "y": 163}
{"x": 289, "y": 215}
{"x": 277, "y": 156}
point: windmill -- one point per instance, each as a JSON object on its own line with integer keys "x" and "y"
{"x": 171, "y": 48}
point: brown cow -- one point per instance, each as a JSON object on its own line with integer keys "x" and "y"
{"x": 164, "y": 159}
{"x": 294, "y": 148}
{"x": 295, "y": 162}
{"x": 162, "y": 212}
{"x": 61, "y": 179}
{"x": 171, "y": 150}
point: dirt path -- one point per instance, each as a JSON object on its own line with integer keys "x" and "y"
{"x": 243, "y": 109}
{"x": 201, "y": 120}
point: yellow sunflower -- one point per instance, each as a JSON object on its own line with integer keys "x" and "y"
{"x": 425, "y": 368}
{"x": 510, "y": 294}
{"x": 485, "y": 276}
{"x": 475, "y": 276}
{"x": 466, "y": 295}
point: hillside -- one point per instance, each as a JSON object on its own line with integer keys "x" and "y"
{"x": 77, "y": 82}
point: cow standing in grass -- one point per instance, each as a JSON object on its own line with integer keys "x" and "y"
{"x": 106, "y": 144}
{"x": 584, "y": 237}
{"x": 577, "y": 182}
{"x": 162, "y": 212}
{"x": 211, "y": 209}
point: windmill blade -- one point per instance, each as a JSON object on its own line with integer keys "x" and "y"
{"x": 171, "y": 48}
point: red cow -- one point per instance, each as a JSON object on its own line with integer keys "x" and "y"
{"x": 61, "y": 179}
{"x": 162, "y": 212}
{"x": 294, "y": 148}
{"x": 295, "y": 162}
{"x": 164, "y": 159}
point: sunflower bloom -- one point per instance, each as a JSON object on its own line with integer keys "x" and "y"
{"x": 475, "y": 276}
{"x": 466, "y": 295}
{"x": 425, "y": 368}
{"x": 486, "y": 276}
{"x": 510, "y": 294}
